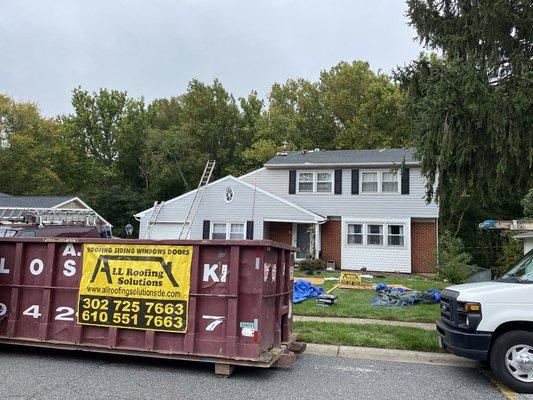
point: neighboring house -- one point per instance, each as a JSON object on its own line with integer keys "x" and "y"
{"x": 13, "y": 206}
{"x": 358, "y": 208}
{"x": 527, "y": 239}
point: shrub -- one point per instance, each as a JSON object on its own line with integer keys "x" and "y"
{"x": 527, "y": 204}
{"x": 311, "y": 265}
{"x": 512, "y": 251}
{"x": 454, "y": 261}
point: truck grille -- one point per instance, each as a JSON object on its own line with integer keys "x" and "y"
{"x": 448, "y": 308}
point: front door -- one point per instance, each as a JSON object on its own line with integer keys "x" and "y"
{"x": 303, "y": 240}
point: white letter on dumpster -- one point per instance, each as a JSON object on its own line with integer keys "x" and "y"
{"x": 3, "y": 269}
{"x": 209, "y": 272}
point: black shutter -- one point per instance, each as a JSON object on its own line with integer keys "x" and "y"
{"x": 250, "y": 230}
{"x": 355, "y": 181}
{"x": 207, "y": 228}
{"x": 338, "y": 181}
{"x": 292, "y": 181}
{"x": 405, "y": 181}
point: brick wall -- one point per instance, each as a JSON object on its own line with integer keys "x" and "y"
{"x": 280, "y": 232}
{"x": 423, "y": 247}
{"x": 331, "y": 241}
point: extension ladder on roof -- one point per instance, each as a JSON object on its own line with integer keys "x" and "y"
{"x": 197, "y": 200}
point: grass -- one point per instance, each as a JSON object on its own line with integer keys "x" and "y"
{"x": 357, "y": 303}
{"x": 368, "y": 335}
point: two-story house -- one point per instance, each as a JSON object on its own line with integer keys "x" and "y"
{"x": 359, "y": 208}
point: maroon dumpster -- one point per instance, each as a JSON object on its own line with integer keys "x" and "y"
{"x": 224, "y": 302}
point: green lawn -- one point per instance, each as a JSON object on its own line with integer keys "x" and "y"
{"x": 356, "y": 303}
{"x": 368, "y": 335}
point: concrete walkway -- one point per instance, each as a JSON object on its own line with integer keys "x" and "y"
{"x": 421, "y": 325}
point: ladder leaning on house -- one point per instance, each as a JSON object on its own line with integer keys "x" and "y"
{"x": 195, "y": 205}
{"x": 156, "y": 210}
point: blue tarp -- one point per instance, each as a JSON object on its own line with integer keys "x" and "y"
{"x": 387, "y": 296}
{"x": 304, "y": 290}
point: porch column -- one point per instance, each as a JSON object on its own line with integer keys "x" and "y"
{"x": 318, "y": 241}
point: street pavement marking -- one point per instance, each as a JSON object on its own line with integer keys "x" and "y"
{"x": 507, "y": 393}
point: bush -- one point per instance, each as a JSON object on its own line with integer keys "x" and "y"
{"x": 512, "y": 251}
{"x": 311, "y": 265}
{"x": 454, "y": 261}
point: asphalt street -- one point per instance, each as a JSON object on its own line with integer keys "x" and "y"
{"x": 46, "y": 374}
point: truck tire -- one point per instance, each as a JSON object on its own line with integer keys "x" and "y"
{"x": 511, "y": 359}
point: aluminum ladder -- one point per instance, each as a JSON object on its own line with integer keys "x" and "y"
{"x": 156, "y": 210}
{"x": 195, "y": 205}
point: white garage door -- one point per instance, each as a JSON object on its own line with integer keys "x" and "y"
{"x": 166, "y": 231}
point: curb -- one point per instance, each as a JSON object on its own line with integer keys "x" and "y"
{"x": 405, "y": 356}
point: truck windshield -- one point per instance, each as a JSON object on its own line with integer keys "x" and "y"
{"x": 522, "y": 271}
{"x": 7, "y": 233}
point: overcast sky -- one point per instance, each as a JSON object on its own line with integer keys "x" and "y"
{"x": 152, "y": 48}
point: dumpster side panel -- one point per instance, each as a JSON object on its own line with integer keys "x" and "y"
{"x": 239, "y": 301}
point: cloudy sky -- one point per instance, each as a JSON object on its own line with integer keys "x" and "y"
{"x": 152, "y": 48}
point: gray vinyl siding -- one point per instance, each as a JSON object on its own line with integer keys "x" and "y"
{"x": 276, "y": 181}
{"x": 244, "y": 207}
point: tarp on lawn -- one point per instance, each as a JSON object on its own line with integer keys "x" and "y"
{"x": 389, "y": 297}
{"x": 304, "y": 290}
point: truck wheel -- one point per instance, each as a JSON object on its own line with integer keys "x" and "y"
{"x": 511, "y": 359}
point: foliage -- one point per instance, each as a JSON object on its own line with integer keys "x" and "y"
{"x": 349, "y": 107}
{"x": 512, "y": 251}
{"x": 33, "y": 158}
{"x": 471, "y": 108}
{"x": 527, "y": 204}
{"x": 454, "y": 264}
{"x": 312, "y": 265}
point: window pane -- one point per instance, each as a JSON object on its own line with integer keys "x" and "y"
{"x": 354, "y": 228}
{"x": 370, "y": 187}
{"x": 395, "y": 240}
{"x": 390, "y": 187}
{"x": 219, "y": 231}
{"x": 376, "y": 229}
{"x": 396, "y": 229}
{"x": 370, "y": 177}
{"x": 323, "y": 187}
{"x": 389, "y": 176}
{"x": 354, "y": 238}
{"x": 236, "y": 232}
{"x": 305, "y": 177}
{"x": 375, "y": 239}
{"x": 323, "y": 177}
{"x": 305, "y": 187}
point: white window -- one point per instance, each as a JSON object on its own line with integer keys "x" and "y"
{"x": 389, "y": 182}
{"x": 236, "y": 231}
{"x": 355, "y": 234}
{"x": 375, "y": 235}
{"x": 395, "y": 236}
{"x": 324, "y": 182}
{"x": 305, "y": 182}
{"x": 369, "y": 182}
{"x": 219, "y": 230}
{"x": 228, "y": 230}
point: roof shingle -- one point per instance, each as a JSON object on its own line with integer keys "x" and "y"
{"x": 32, "y": 201}
{"x": 344, "y": 157}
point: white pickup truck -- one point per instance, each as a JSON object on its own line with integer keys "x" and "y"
{"x": 493, "y": 322}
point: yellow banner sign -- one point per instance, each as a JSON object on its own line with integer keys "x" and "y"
{"x": 135, "y": 286}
